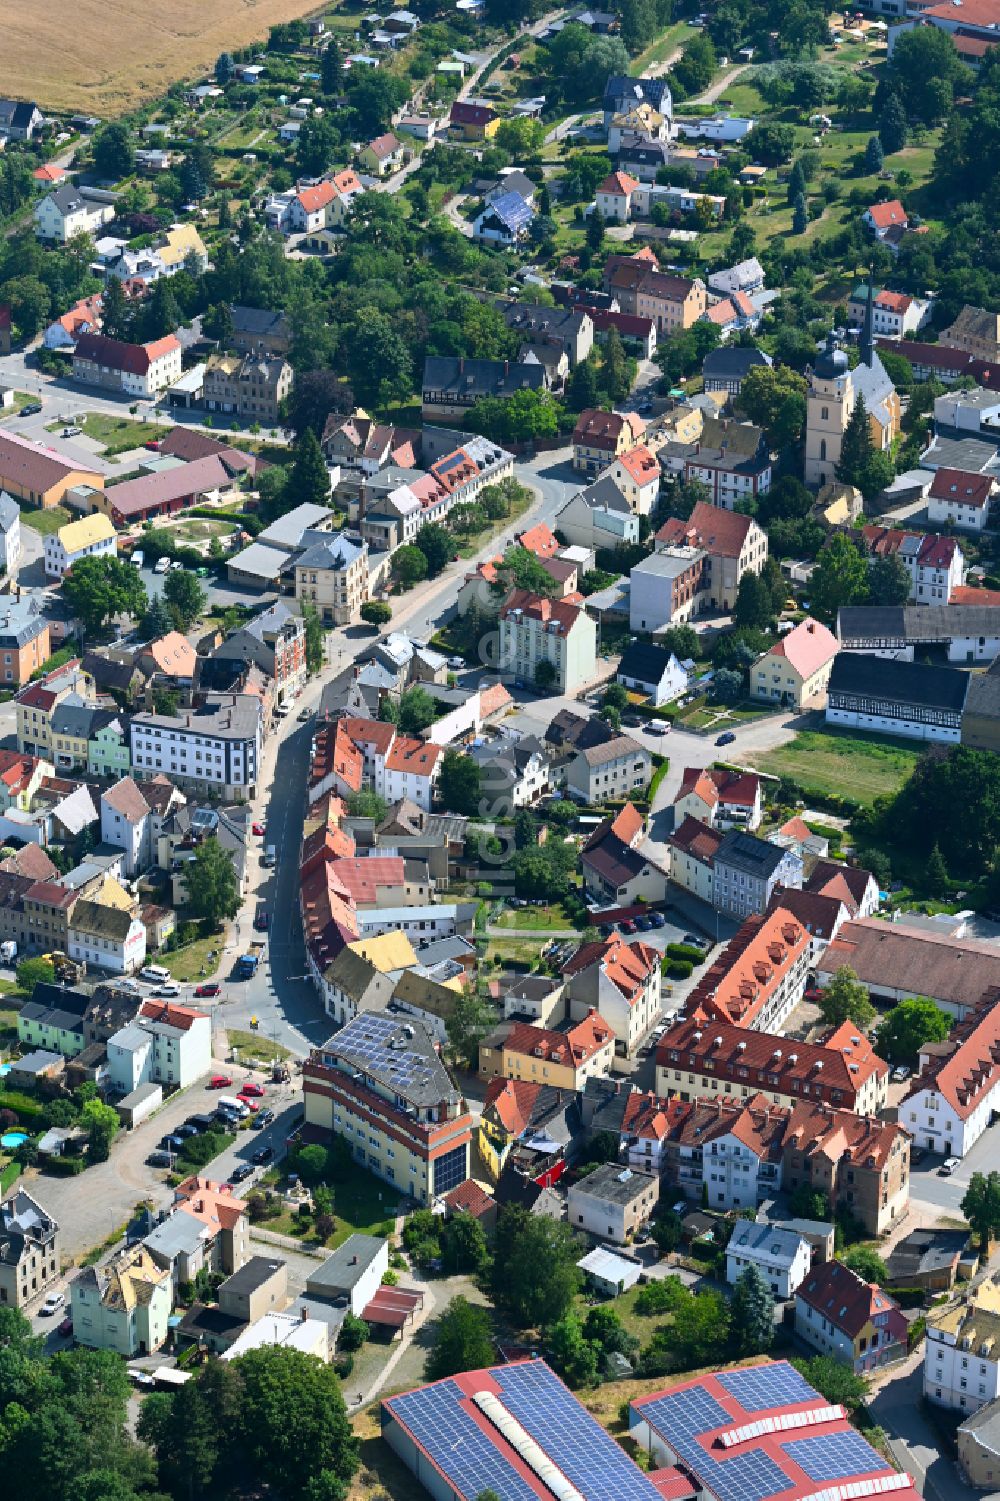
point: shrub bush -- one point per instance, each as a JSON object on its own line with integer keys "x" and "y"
{"x": 65, "y": 1167}
{"x": 679, "y": 969}
{"x": 23, "y": 1106}
{"x": 684, "y": 951}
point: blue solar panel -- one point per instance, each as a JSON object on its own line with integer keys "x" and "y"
{"x": 838, "y": 1456}
{"x": 456, "y": 1445}
{"x": 682, "y": 1417}
{"x": 778, "y": 1385}
{"x": 588, "y": 1457}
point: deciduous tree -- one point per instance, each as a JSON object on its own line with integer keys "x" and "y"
{"x": 846, "y": 999}
{"x": 908, "y": 1027}
{"x": 981, "y": 1206}
{"x": 98, "y": 589}
{"x": 535, "y": 1276}
{"x": 463, "y": 1340}
{"x": 212, "y": 888}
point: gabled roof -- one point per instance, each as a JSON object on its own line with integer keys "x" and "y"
{"x": 844, "y": 1298}
{"x": 696, "y": 839}
{"x": 883, "y": 215}
{"x": 135, "y": 359}
{"x": 807, "y": 648}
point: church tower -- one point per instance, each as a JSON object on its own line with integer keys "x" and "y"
{"x": 828, "y": 409}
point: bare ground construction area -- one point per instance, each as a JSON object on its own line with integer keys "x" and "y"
{"x": 104, "y": 56}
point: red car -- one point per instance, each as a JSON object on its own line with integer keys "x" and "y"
{"x": 66, "y": 1327}
{"x": 204, "y": 991}
{"x": 258, "y": 829}
{"x": 248, "y": 1102}
{"x": 628, "y": 926}
{"x": 219, "y": 1081}
{"x": 813, "y": 994}
{"x": 253, "y": 1089}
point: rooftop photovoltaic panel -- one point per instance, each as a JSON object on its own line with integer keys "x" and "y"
{"x": 838, "y": 1456}
{"x": 457, "y": 1445}
{"x": 778, "y": 1385}
{"x": 588, "y": 1457}
{"x": 682, "y": 1417}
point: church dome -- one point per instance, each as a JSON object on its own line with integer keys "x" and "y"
{"x": 832, "y": 363}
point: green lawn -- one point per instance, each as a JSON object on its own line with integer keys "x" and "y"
{"x": 192, "y": 961}
{"x": 361, "y": 1204}
{"x": 534, "y": 919}
{"x": 21, "y": 399}
{"x": 254, "y": 1045}
{"x": 518, "y": 950}
{"x": 48, "y": 521}
{"x": 843, "y": 765}
{"x": 199, "y": 530}
{"x": 118, "y": 434}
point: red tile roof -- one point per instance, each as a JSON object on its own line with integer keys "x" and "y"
{"x": 844, "y": 1298}
{"x": 539, "y": 540}
{"x": 716, "y": 785}
{"x": 957, "y": 485}
{"x": 640, "y": 465}
{"x": 535, "y": 607}
{"x": 570, "y": 1048}
{"x": 628, "y": 966}
{"x": 807, "y": 648}
{"x": 720, "y": 532}
{"x": 512, "y": 1101}
{"x": 313, "y": 199}
{"x": 849, "y": 883}
{"x": 965, "y": 1076}
{"x": 118, "y": 355}
{"x": 31, "y": 466}
{"x": 754, "y": 964}
{"x": 619, "y": 185}
{"x": 697, "y": 839}
{"x": 171, "y": 1015}
{"x": 966, "y": 595}
{"x": 358, "y": 877}
{"x": 893, "y": 302}
{"x": 464, "y": 113}
{"x": 883, "y": 215}
{"x": 418, "y": 757}
{"x": 470, "y": 1198}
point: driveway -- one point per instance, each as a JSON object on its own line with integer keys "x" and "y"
{"x": 897, "y": 1407}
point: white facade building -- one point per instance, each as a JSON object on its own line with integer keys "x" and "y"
{"x": 953, "y": 1100}
{"x": 216, "y": 747}
{"x": 962, "y": 1352}
{"x": 782, "y": 1257}
{"x": 91, "y": 537}
{"x": 165, "y": 1044}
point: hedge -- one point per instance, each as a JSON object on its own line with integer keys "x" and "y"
{"x": 678, "y": 969}
{"x": 10, "y": 1175}
{"x": 684, "y": 952}
{"x": 23, "y": 1106}
{"x": 65, "y": 1167}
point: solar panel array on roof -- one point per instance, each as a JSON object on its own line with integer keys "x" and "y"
{"x": 456, "y": 1443}
{"x": 834, "y": 1457}
{"x": 588, "y": 1457}
{"x": 369, "y": 1044}
{"x": 513, "y": 211}
{"x": 682, "y": 1417}
{"x": 761, "y": 1387}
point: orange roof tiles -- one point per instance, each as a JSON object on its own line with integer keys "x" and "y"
{"x": 619, "y": 185}
{"x": 171, "y": 1015}
{"x": 535, "y": 607}
{"x": 627, "y": 965}
{"x": 641, "y": 465}
{"x": 807, "y": 648}
{"x": 966, "y": 1075}
{"x": 720, "y": 532}
{"x": 358, "y": 877}
{"x": 738, "y": 985}
{"x": 539, "y": 540}
{"x": 883, "y": 215}
{"x": 313, "y": 199}
{"x": 574, "y": 1046}
{"x": 417, "y": 757}
{"x": 212, "y": 1203}
{"x": 174, "y": 655}
{"x": 512, "y": 1101}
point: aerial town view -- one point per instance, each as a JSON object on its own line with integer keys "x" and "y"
{"x": 500, "y": 751}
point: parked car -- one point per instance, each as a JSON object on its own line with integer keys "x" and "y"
{"x": 456, "y": 663}
{"x": 31, "y": 410}
{"x": 699, "y": 943}
{"x": 139, "y": 1377}
{"x": 258, "y": 830}
{"x": 725, "y": 739}
{"x": 52, "y": 1304}
{"x": 899, "y": 1073}
{"x": 255, "y": 1090}
{"x": 186, "y": 1131}
{"x": 261, "y": 919}
{"x": 65, "y": 1328}
{"x": 628, "y": 926}
{"x": 172, "y": 1142}
{"x": 205, "y": 992}
{"x": 71, "y": 432}
{"x": 655, "y": 728}
{"x": 158, "y": 1159}
{"x": 643, "y": 924}
{"x": 261, "y": 1119}
{"x": 263, "y": 1154}
{"x": 170, "y": 990}
{"x": 917, "y": 1155}
{"x": 241, "y": 1173}
{"x": 948, "y": 1166}
{"x": 657, "y": 920}
{"x": 303, "y": 715}
{"x": 219, "y": 1081}
{"x": 814, "y": 993}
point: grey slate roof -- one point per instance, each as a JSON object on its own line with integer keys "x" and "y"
{"x": 756, "y": 857}
{"x": 397, "y": 1055}
{"x": 909, "y": 683}
{"x": 9, "y": 511}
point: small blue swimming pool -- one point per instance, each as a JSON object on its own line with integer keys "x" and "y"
{"x": 12, "y": 1139}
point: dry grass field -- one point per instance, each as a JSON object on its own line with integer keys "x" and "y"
{"x": 104, "y": 56}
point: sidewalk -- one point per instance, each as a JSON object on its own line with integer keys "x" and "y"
{"x": 896, "y": 1406}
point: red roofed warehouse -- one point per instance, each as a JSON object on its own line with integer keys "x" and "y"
{"x": 136, "y": 369}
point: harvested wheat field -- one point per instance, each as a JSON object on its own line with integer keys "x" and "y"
{"x": 104, "y": 56}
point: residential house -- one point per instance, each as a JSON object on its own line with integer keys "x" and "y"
{"x": 353, "y": 1272}
{"x": 29, "y": 1250}
{"x": 821, "y": 916}
{"x": 275, "y": 641}
{"x": 746, "y": 871}
{"x": 977, "y": 1439}
{"x": 453, "y": 384}
{"x": 165, "y": 1044}
{"x": 382, "y": 156}
{"x": 52, "y": 1019}
{"x": 796, "y": 670}
{"x": 327, "y": 205}
{"x": 71, "y": 211}
{"x": 600, "y": 437}
{"x": 257, "y": 330}
{"x": 92, "y": 536}
{"x": 636, "y": 473}
{"x": 896, "y": 698}
{"x": 472, "y": 120}
{"x": 599, "y": 516}
{"x": 880, "y": 218}
{"x": 136, "y": 369}
{"x": 782, "y": 1257}
{"x": 504, "y": 221}
{"x": 39, "y": 476}
{"x": 703, "y": 1057}
{"x": 746, "y": 276}
{"x": 546, "y": 642}
{"x": 721, "y": 798}
{"x": 10, "y": 534}
{"x": 380, "y": 1083}
{"x": 25, "y": 640}
{"x": 962, "y": 1350}
{"x": 612, "y": 1203}
{"x": 839, "y": 1314}
{"x": 621, "y": 982}
{"x": 961, "y": 500}
{"x": 975, "y": 332}
{"x": 514, "y": 774}
{"x": 855, "y": 887}
{"x": 732, "y": 460}
{"x": 693, "y": 847}
{"x": 127, "y": 823}
{"x": 19, "y": 119}
{"x": 563, "y": 1058}
{"x": 957, "y": 1090}
{"x": 664, "y": 588}
{"x": 617, "y": 768}
{"x": 642, "y": 289}
{"x": 732, "y": 545}
{"x": 251, "y": 387}
{"x": 122, "y": 1304}
{"x": 622, "y": 92}
{"x": 653, "y": 671}
{"x": 936, "y": 564}
{"x": 568, "y": 330}
{"x": 726, "y": 368}
{"x": 105, "y": 937}
{"x": 84, "y": 317}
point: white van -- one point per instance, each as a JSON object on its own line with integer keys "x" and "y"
{"x": 138, "y": 559}
{"x": 162, "y": 565}
{"x": 230, "y": 1102}
{"x": 155, "y": 974}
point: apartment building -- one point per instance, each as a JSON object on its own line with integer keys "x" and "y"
{"x": 642, "y": 289}
{"x": 962, "y": 1350}
{"x": 957, "y": 1090}
{"x": 936, "y": 564}
{"x": 746, "y": 872}
{"x": 621, "y": 982}
{"x": 664, "y": 588}
{"x": 618, "y": 768}
{"x": 127, "y": 822}
{"x": 275, "y": 640}
{"x": 731, "y": 459}
{"x": 612, "y": 1203}
{"x": 372, "y": 753}
{"x": 702, "y": 1057}
{"x": 333, "y": 576}
{"x": 731, "y": 544}
{"x": 216, "y": 746}
{"x": 29, "y": 1250}
{"x": 452, "y": 384}
{"x": 693, "y": 847}
{"x": 841, "y": 1315}
{"x": 135, "y": 369}
{"x": 781, "y": 1257}
{"x": 637, "y": 475}
{"x": 758, "y": 979}
{"x": 547, "y": 643}
{"x": 961, "y": 500}
{"x": 25, "y": 640}
{"x": 566, "y": 1059}
{"x": 122, "y": 1304}
{"x": 600, "y": 437}
{"x": 380, "y": 1084}
{"x": 92, "y": 536}
{"x": 796, "y": 670}
{"x": 250, "y": 387}
{"x": 165, "y": 1044}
